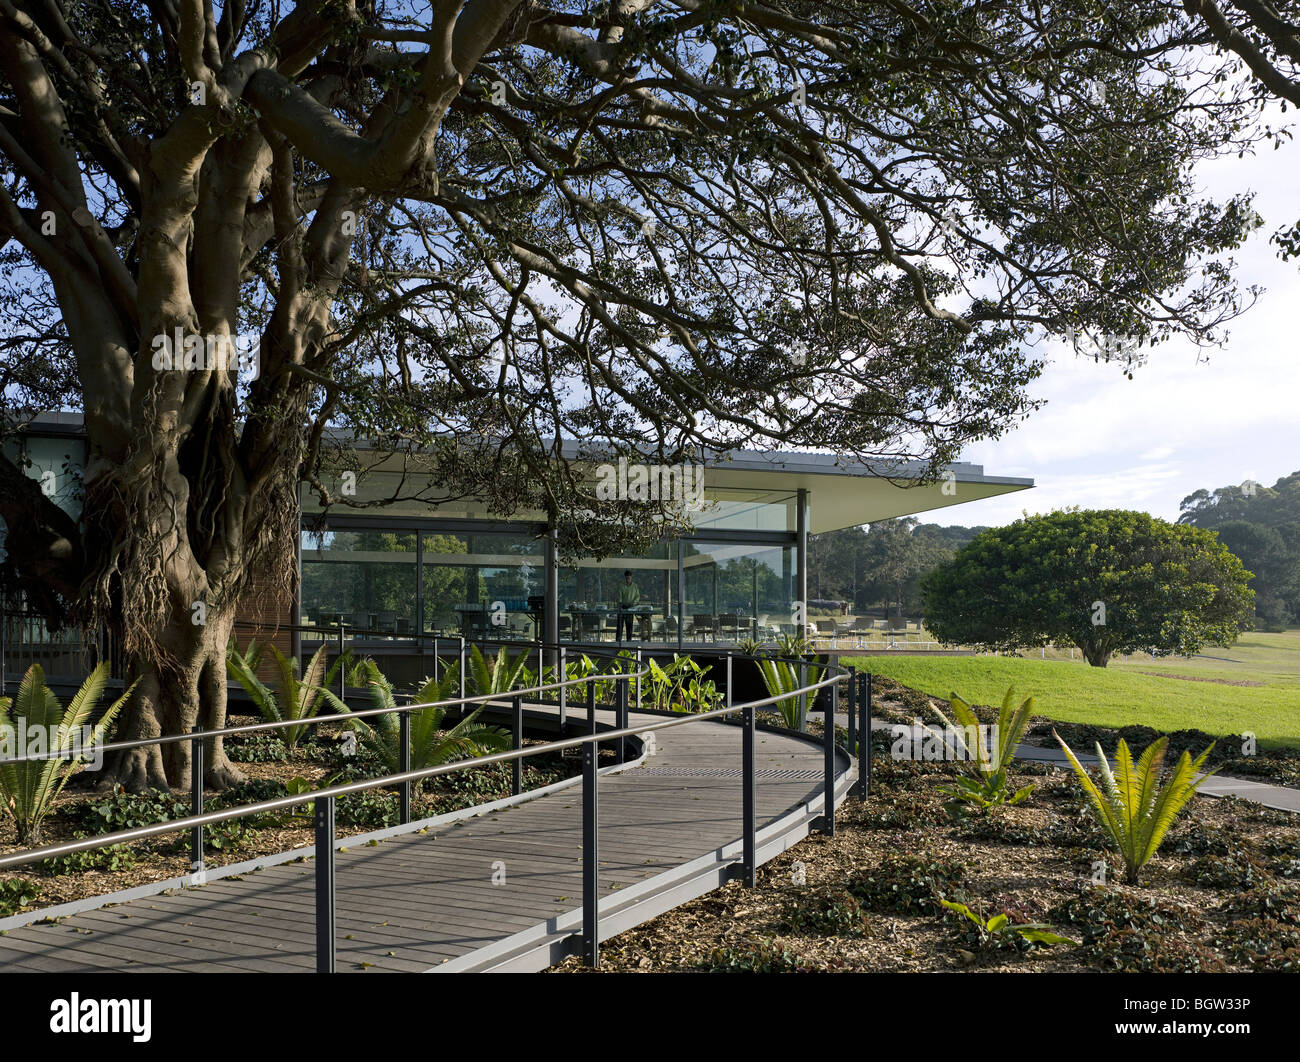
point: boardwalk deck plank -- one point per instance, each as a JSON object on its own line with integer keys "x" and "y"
{"x": 414, "y": 901}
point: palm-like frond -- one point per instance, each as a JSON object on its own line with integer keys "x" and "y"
{"x": 781, "y": 677}
{"x": 430, "y": 745}
{"x": 500, "y": 676}
{"x": 294, "y": 697}
{"x": 29, "y": 788}
{"x": 990, "y": 762}
{"x": 1134, "y": 804}
{"x": 242, "y": 667}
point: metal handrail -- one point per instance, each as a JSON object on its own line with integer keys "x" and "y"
{"x": 314, "y": 720}
{"x": 140, "y": 833}
{"x": 323, "y": 799}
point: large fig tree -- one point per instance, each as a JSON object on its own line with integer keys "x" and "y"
{"x": 472, "y": 232}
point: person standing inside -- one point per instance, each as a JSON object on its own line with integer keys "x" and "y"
{"x": 629, "y": 596}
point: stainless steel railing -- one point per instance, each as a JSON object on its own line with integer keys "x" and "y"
{"x": 623, "y": 676}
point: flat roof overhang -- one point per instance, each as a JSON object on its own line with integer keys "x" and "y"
{"x": 848, "y": 493}
{"x": 845, "y": 492}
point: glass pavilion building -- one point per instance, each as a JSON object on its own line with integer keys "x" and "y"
{"x": 407, "y": 570}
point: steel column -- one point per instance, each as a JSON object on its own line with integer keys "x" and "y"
{"x": 196, "y": 799}
{"x": 404, "y": 763}
{"x": 801, "y": 560}
{"x": 325, "y": 913}
{"x": 590, "y": 859}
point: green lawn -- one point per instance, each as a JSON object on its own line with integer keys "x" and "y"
{"x": 1131, "y": 692}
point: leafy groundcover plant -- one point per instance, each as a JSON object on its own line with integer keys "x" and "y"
{"x": 1134, "y": 805}
{"x": 999, "y": 932}
{"x": 431, "y": 746}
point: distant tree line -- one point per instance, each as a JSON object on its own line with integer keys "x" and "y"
{"x": 878, "y": 567}
{"x": 1261, "y": 525}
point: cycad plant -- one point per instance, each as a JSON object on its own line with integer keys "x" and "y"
{"x": 1134, "y": 805}
{"x": 791, "y": 645}
{"x": 500, "y": 676}
{"x": 430, "y": 744}
{"x": 295, "y": 698}
{"x": 985, "y": 785}
{"x": 30, "y": 788}
{"x": 783, "y": 677}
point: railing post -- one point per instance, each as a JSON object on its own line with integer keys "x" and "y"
{"x": 749, "y": 846}
{"x": 590, "y": 859}
{"x": 517, "y": 743}
{"x": 621, "y": 712}
{"x": 852, "y": 712}
{"x": 564, "y": 690}
{"x": 640, "y": 666}
{"x": 404, "y": 762}
{"x": 325, "y": 927}
{"x": 803, "y": 697}
{"x": 462, "y": 672}
{"x": 864, "y": 750}
{"x": 591, "y": 702}
{"x": 828, "y": 745}
{"x": 437, "y": 661}
{"x": 343, "y": 678}
{"x": 196, "y": 799}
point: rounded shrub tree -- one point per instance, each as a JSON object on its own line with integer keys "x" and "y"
{"x": 1105, "y": 580}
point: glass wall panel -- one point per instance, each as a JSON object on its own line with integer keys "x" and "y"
{"x": 57, "y": 463}
{"x": 364, "y": 579}
{"x": 746, "y": 509}
{"x": 484, "y": 584}
{"x": 590, "y": 597}
{"x": 736, "y": 591}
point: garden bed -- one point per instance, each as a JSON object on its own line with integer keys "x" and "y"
{"x": 1223, "y": 892}
{"x": 271, "y": 770}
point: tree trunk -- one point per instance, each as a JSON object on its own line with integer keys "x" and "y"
{"x": 173, "y": 700}
{"x": 1096, "y": 655}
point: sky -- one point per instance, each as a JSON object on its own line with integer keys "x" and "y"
{"x": 1104, "y": 441}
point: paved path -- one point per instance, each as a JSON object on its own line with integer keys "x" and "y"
{"x": 669, "y": 829}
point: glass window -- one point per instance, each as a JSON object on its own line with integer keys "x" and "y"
{"x": 746, "y": 509}
{"x": 57, "y": 463}
{"x": 592, "y": 596}
{"x": 484, "y": 584}
{"x": 364, "y": 579}
{"x": 735, "y": 591}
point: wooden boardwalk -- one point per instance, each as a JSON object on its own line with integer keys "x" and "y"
{"x": 669, "y": 830}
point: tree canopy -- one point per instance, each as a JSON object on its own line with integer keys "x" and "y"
{"x": 496, "y": 236}
{"x": 1108, "y": 581}
{"x": 1261, "y": 525}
